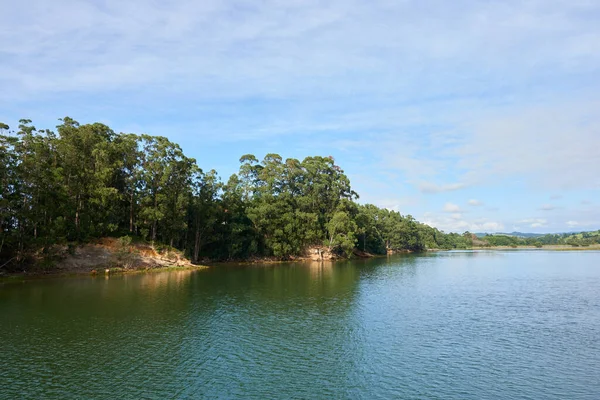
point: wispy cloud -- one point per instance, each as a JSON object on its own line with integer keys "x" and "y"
{"x": 428, "y": 187}
{"x": 455, "y": 223}
{"x": 582, "y": 224}
{"x": 534, "y": 222}
{"x": 451, "y": 208}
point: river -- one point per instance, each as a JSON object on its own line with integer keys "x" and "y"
{"x": 448, "y": 325}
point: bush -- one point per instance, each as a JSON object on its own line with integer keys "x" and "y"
{"x": 125, "y": 242}
{"x": 124, "y": 256}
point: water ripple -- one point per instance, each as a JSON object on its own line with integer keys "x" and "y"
{"x": 513, "y": 325}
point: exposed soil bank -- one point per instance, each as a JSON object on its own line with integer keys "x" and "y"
{"x": 105, "y": 256}
{"x": 111, "y": 256}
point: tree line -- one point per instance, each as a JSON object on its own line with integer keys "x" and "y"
{"x": 85, "y": 181}
{"x": 582, "y": 239}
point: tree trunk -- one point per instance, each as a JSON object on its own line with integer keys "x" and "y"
{"x": 155, "y": 221}
{"x": 77, "y": 216}
{"x": 331, "y": 238}
{"x": 196, "y": 244}
{"x": 131, "y": 213}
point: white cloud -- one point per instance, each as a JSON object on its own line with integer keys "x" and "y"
{"x": 507, "y": 143}
{"x": 534, "y": 222}
{"x": 293, "y": 48}
{"x": 547, "y": 207}
{"x": 475, "y": 203}
{"x": 455, "y": 223}
{"x": 429, "y": 187}
{"x": 449, "y": 96}
{"x": 489, "y": 227}
{"x": 451, "y": 208}
{"x": 586, "y": 224}
{"x": 395, "y": 204}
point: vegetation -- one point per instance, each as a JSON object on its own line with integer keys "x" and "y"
{"x": 582, "y": 239}
{"x": 85, "y": 181}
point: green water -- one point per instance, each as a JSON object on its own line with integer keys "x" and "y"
{"x": 455, "y": 325}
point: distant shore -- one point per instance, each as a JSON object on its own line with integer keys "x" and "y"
{"x": 554, "y": 247}
{"x": 98, "y": 260}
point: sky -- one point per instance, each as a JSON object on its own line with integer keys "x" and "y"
{"x": 468, "y": 115}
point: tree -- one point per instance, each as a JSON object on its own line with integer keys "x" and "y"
{"x": 341, "y": 231}
{"x": 165, "y": 181}
{"x": 88, "y": 181}
{"x": 204, "y": 212}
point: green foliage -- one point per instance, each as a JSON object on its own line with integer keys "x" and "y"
{"x": 503, "y": 240}
{"x": 582, "y": 239}
{"x": 290, "y": 203}
{"x": 124, "y": 256}
{"x": 125, "y": 242}
{"x": 341, "y": 231}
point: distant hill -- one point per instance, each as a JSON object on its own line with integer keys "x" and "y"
{"x": 534, "y": 235}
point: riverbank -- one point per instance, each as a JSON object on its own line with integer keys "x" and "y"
{"x": 110, "y": 256}
{"x": 123, "y": 256}
{"x": 107, "y": 256}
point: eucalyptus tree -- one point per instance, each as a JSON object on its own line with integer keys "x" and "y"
{"x": 204, "y": 210}
{"x": 87, "y": 181}
{"x": 88, "y": 163}
{"x": 165, "y": 181}
{"x": 128, "y": 176}
{"x": 9, "y": 194}
{"x": 40, "y": 182}
{"x": 238, "y": 234}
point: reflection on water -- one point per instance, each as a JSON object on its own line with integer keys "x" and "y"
{"x": 172, "y": 279}
{"x": 465, "y": 325}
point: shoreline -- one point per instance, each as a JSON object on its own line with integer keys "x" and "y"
{"x": 551, "y": 247}
{"x": 100, "y": 270}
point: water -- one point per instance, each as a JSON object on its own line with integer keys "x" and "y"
{"x": 456, "y": 325}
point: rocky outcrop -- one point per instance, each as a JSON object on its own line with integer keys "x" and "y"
{"x": 110, "y": 253}
{"x": 320, "y": 253}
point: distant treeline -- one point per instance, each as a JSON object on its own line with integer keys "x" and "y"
{"x": 85, "y": 181}
{"x": 582, "y": 239}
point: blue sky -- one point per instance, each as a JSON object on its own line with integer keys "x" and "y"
{"x": 468, "y": 115}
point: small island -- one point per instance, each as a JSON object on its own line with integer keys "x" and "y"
{"x": 140, "y": 202}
